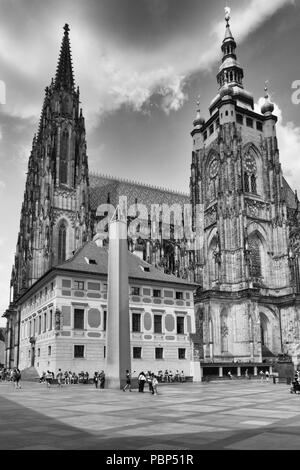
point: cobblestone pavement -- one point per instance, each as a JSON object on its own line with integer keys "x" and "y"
{"x": 219, "y": 415}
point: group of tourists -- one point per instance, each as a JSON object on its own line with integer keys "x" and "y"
{"x": 168, "y": 376}
{"x": 64, "y": 378}
{"x": 99, "y": 379}
{"x": 151, "y": 379}
{"x": 295, "y": 386}
{"x": 11, "y": 375}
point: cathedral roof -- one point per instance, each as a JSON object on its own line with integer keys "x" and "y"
{"x": 90, "y": 251}
{"x": 101, "y": 186}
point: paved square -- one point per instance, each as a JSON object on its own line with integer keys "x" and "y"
{"x": 220, "y": 415}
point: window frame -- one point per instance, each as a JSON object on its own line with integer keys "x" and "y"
{"x": 180, "y": 318}
{"x": 162, "y": 353}
{"x": 156, "y": 316}
{"x": 83, "y": 350}
{"x": 77, "y": 311}
{"x": 135, "y": 322}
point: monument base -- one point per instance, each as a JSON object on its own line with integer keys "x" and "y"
{"x": 114, "y": 383}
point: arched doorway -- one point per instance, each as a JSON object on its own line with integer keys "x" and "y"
{"x": 267, "y": 333}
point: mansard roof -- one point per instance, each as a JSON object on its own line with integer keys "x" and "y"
{"x": 99, "y": 255}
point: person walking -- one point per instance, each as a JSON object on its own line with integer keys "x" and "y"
{"x": 17, "y": 378}
{"x": 154, "y": 384}
{"x": 262, "y": 375}
{"x": 96, "y": 379}
{"x": 102, "y": 379}
{"x": 59, "y": 377}
{"x": 141, "y": 380}
{"x": 267, "y": 375}
{"x": 48, "y": 379}
{"x": 128, "y": 381}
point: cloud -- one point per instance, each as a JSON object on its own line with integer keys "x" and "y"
{"x": 288, "y": 136}
{"x": 2, "y": 186}
{"x": 115, "y": 73}
{"x": 131, "y": 78}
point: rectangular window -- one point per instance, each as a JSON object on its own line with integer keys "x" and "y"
{"x": 78, "y": 319}
{"x": 239, "y": 119}
{"x": 135, "y": 291}
{"x": 104, "y": 320}
{"x": 94, "y": 285}
{"x": 78, "y": 351}
{"x": 259, "y": 126}
{"x": 40, "y": 325}
{"x": 205, "y": 135}
{"x": 181, "y": 353}
{"x": 159, "y": 353}
{"x": 34, "y": 327}
{"x": 180, "y": 325}
{"x": 50, "y": 320}
{"x": 137, "y": 353}
{"x": 39, "y": 352}
{"x": 49, "y": 350}
{"x": 104, "y": 352}
{"x": 211, "y": 129}
{"x": 136, "y": 322}
{"x": 79, "y": 285}
{"x": 45, "y": 322}
{"x": 249, "y": 122}
{"x": 157, "y": 324}
{"x": 179, "y": 295}
{"x": 66, "y": 283}
{"x": 156, "y": 293}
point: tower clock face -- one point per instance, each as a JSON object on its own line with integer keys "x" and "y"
{"x": 213, "y": 169}
{"x": 249, "y": 164}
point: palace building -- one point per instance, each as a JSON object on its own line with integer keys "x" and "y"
{"x": 244, "y": 275}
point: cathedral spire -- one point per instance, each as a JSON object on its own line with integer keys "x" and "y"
{"x": 64, "y": 74}
{"x": 230, "y": 65}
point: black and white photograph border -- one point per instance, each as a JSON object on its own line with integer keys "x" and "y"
{"x": 150, "y": 242}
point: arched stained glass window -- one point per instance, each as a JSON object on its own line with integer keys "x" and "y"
{"x": 224, "y": 332}
{"x": 253, "y": 184}
{"x": 255, "y": 260}
{"x": 63, "y": 170}
{"x": 246, "y": 182}
{"x": 62, "y": 238}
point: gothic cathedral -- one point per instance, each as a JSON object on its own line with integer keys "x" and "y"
{"x": 248, "y": 305}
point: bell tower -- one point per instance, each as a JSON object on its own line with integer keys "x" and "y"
{"x": 236, "y": 177}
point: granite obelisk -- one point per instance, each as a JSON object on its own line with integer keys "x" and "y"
{"x": 118, "y": 357}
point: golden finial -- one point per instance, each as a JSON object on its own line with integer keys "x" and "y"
{"x": 227, "y": 14}
{"x": 266, "y": 89}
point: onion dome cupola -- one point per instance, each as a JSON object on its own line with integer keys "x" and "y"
{"x": 268, "y": 107}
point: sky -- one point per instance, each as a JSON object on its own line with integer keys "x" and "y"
{"x": 140, "y": 66}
